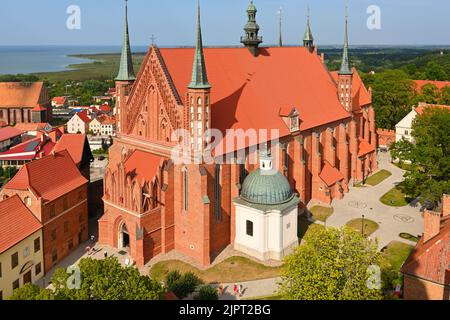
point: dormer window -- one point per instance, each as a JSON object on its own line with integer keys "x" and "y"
{"x": 294, "y": 122}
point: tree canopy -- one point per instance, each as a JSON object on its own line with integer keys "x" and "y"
{"x": 333, "y": 264}
{"x": 429, "y": 155}
{"x": 100, "y": 280}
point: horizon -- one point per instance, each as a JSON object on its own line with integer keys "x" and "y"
{"x": 417, "y": 23}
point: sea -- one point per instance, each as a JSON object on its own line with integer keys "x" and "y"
{"x": 35, "y": 59}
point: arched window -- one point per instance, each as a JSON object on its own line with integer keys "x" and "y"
{"x": 199, "y": 101}
{"x": 217, "y": 194}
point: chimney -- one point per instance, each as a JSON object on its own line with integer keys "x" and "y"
{"x": 446, "y": 205}
{"x": 432, "y": 221}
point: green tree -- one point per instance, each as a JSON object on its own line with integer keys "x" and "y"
{"x": 445, "y": 96}
{"x": 429, "y": 94}
{"x": 333, "y": 264}
{"x": 435, "y": 71}
{"x": 182, "y": 285}
{"x": 207, "y": 293}
{"x": 429, "y": 155}
{"x": 393, "y": 94}
{"x": 99, "y": 280}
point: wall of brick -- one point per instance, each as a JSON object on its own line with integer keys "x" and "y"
{"x": 419, "y": 289}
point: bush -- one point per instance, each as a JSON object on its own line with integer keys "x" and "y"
{"x": 182, "y": 285}
{"x": 207, "y": 293}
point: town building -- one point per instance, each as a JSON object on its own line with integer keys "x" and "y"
{"x": 438, "y": 84}
{"x": 108, "y": 126}
{"x": 321, "y": 134}
{"x": 21, "y": 257}
{"x": 9, "y": 137}
{"x": 60, "y": 102}
{"x": 24, "y": 102}
{"x": 79, "y": 123}
{"x": 427, "y": 270}
{"x": 403, "y": 129}
{"x": 55, "y": 192}
{"x": 94, "y": 126}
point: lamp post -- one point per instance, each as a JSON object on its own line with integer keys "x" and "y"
{"x": 362, "y": 225}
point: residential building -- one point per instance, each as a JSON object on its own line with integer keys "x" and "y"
{"x": 9, "y": 137}
{"x": 403, "y": 129}
{"x": 24, "y": 102}
{"x": 427, "y": 270}
{"x": 108, "y": 126}
{"x": 95, "y": 126}
{"x": 79, "y": 123}
{"x": 56, "y": 193}
{"x": 60, "y": 102}
{"x": 321, "y": 133}
{"x": 21, "y": 254}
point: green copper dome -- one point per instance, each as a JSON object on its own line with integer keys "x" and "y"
{"x": 267, "y": 188}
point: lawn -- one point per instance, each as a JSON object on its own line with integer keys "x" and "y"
{"x": 369, "y": 225}
{"x": 394, "y": 198}
{"x": 396, "y": 253}
{"x": 305, "y": 227}
{"x": 321, "y": 213}
{"x": 234, "y": 269}
{"x": 377, "y": 178}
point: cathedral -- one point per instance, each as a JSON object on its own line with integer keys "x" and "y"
{"x": 322, "y": 139}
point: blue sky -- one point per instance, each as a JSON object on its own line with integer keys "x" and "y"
{"x": 403, "y": 22}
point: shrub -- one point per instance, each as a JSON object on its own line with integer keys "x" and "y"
{"x": 207, "y": 293}
{"x": 182, "y": 285}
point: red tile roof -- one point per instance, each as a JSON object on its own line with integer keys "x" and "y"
{"x": 74, "y": 143}
{"x": 364, "y": 148}
{"x": 431, "y": 260}
{"x": 39, "y": 107}
{"x": 49, "y": 177}
{"x": 16, "y": 222}
{"x": 105, "y": 108}
{"x": 59, "y": 100}
{"x": 9, "y": 132}
{"x": 31, "y": 126}
{"x": 330, "y": 175}
{"x": 248, "y": 92}
{"x": 143, "y": 166}
{"x": 83, "y": 115}
{"x": 438, "y": 84}
{"x": 21, "y": 94}
{"x": 420, "y": 110}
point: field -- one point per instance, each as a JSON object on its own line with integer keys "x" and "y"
{"x": 102, "y": 67}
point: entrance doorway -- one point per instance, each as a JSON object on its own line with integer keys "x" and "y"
{"x": 124, "y": 237}
{"x": 27, "y": 277}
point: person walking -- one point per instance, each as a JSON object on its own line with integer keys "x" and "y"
{"x": 235, "y": 289}
{"x": 240, "y": 290}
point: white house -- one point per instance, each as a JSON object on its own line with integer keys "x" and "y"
{"x": 403, "y": 129}
{"x": 79, "y": 123}
{"x": 108, "y": 126}
{"x": 266, "y": 214}
{"x": 95, "y": 126}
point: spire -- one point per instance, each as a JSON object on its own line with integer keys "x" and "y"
{"x": 199, "y": 75}
{"x": 308, "y": 39}
{"x": 126, "y": 71}
{"x": 251, "y": 39}
{"x": 280, "y": 38}
{"x": 345, "y": 67}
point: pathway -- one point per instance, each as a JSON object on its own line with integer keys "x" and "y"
{"x": 365, "y": 201}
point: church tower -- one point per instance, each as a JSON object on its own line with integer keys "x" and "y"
{"x": 198, "y": 98}
{"x": 345, "y": 75}
{"x": 251, "y": 40}
{"x": 308, "y": 39}
{"x": 125, "y": 78}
